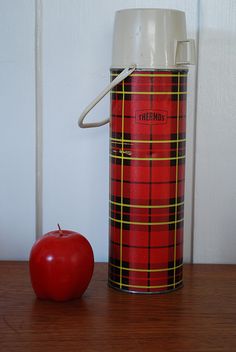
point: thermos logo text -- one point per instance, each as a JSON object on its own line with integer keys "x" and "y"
{"x": 148, "y": 117}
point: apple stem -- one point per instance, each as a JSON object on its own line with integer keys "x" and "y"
{"x": 60, "y": 231}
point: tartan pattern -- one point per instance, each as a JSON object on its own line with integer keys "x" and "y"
{"x": 147, "y": 172}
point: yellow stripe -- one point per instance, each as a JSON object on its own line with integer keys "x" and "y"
{"x": 137, "y": 286}
{"x": 151, "y": 75}
{"x": 176, "y": 180}
{"x": 147, "y": 141}
{"x": 146, "y": 270}
{"x": 149, "y": 93}
{"x": 146, "y": 223}
{"x": 129, "y": 158}
{"x": 147, "y": 206}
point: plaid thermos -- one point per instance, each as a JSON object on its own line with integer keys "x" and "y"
{"x": 147, "y": 149}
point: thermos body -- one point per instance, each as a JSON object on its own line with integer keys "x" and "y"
{"x": 147, "y": 170}
{"x": 149, "y": 69}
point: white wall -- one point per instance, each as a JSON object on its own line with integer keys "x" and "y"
{"x": 17, "y": 129}
{"x": 76, "y": 55}
{"x": 215, "y": 187}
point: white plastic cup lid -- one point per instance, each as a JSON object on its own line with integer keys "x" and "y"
{"x": 151, "y": 39}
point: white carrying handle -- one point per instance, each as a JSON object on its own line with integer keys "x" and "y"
{"x": 125, "y": 73}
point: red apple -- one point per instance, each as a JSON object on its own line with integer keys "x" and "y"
{"x": 61, "y": 265}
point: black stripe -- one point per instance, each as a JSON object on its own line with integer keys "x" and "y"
{"x": 145, "y": 247}
{"x": 128, "y": 145}
{"x": 135, "y": 217}
{"x": 117, "y": 208}
{"x": 150, "y": 192}
{"x": 128, "y": 136}
{"x": 147, "y": 182}
{"x": 128, "y": 201}
{"x": 118, "y": 135}
{"x": 119, "y": 96}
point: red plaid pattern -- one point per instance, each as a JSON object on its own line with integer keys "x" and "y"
{"x": 147, "y": 153}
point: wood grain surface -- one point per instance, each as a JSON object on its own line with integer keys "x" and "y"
{"x": 199, "y": 317}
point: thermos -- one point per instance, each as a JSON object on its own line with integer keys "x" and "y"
{"x": 151, "y": 54}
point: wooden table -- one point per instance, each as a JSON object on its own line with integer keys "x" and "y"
{"x": 199, "y": 317}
